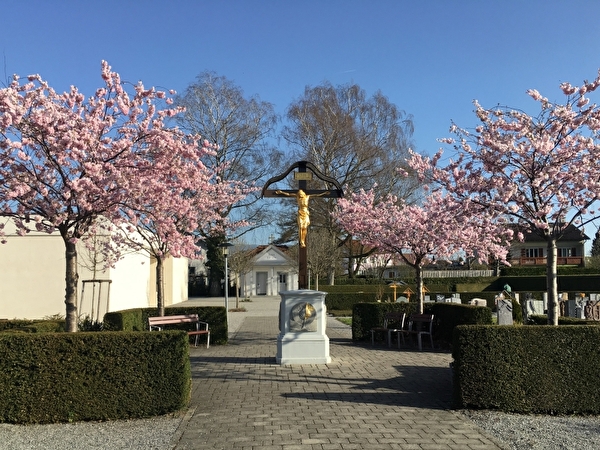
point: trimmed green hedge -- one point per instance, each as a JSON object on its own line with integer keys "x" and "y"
{"x": 527, "y": 369}
{"x": 366, "y": 316}
{"x": 541, "y": 270}
{"x": 65, "y": 377}
{"x": 542, "y": 319}
{"x": 33, "y": 326}
{"x": 137, "y": 320}
{"x": 447, "y": 316}
{"x": 347, "y": 300}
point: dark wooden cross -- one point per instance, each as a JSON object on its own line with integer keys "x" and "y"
{"x": 302, "y": 194}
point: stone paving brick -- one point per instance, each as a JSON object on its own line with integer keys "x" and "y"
{"x": 368, "y": 397}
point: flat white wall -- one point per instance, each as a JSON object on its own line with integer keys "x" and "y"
{"x": 32, "y": 276}
{"x": 176, "y": 279}
{"x": 32, "y": 280}
{"x": 130, "y": 287}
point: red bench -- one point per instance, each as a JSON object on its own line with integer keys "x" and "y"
{"x": 157, "y": 323}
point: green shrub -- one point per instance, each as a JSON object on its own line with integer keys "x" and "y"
{"x": 527, "y": 369}
{"x": 32, "y": 326}
{"x": 6, "y": 324}
{"x": 542, "y": 319}
{"x": 366, "y": 316}
{"x": 448, "y": 316}
{"x": 63, "y": 377}
{"x": 137, "y": 320}
{"x": 347, "y": 300}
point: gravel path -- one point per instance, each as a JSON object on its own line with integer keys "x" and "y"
{"x": 535, "y": 432}
{"x": 158, "y": 433}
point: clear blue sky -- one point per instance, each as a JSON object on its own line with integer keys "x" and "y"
{"x": 429, "y": 57}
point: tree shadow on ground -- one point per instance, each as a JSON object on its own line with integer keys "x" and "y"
{"x": 428, "y": 387}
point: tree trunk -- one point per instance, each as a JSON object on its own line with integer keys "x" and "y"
{"x": 72, "y": 279}
{"x": 160, "y": 286}
{"x": 349, "y": 267}
{"x": 419, "y": 293}
{"x": 551, "y": 282}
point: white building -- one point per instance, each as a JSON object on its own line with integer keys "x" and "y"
{"x": 272, "y": 271}
{"x": 32, "y": 279}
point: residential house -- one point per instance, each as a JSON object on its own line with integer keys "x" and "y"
{"x": 533, "y": 250}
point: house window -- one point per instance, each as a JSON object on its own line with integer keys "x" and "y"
{"x": 391, "y": 274}
{"x": 282, "y": 277}
{"x": 534, "y": 252}
{"x": 566, "y": 252}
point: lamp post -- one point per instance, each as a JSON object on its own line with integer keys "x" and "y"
{"x": 225, "y": 246}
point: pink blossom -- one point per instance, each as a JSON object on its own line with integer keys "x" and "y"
{"x": 538, "y": 171}
{"x": 104, "y": 165}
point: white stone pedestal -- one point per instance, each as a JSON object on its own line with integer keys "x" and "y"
{"x": 302, "y": 322}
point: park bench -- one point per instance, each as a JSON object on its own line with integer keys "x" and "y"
{"x": 158, "y": 323}
{"x": 395, "y": 320}
{"x": 418, "y": 325}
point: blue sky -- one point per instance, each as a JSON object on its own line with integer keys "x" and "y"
{"x": 429, "y": 57}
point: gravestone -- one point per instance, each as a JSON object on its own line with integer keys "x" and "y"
{"x": 478, "y": 302}
{"x": 571, "y": 308}
{"x": 581, "y": 302}
{"x": 505, "y": 312}
{"x": 535, "y": 307}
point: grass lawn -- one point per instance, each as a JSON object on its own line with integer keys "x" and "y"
{"x": 346, "y": 320}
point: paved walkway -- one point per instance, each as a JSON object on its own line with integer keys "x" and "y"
{"x": 366, "y": 398}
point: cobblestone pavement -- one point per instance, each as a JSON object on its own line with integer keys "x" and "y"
{"x": 368, "y": 397}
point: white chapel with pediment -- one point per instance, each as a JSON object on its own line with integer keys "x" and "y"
{"x": 272, "y": 272}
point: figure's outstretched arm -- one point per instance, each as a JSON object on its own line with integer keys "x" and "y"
{"x": 320, "y": 195}
{"x": 287, "y": 194}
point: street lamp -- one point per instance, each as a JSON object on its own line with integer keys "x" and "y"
{"x": 225, "y": 246}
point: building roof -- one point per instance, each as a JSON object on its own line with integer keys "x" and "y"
{"x": 571, "y": 233}
{"x": 271, "y": 255}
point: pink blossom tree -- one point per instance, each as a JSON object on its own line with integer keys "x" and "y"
{"x": 542, "y": 172}
{"x": 173, "y": 227}
{"x": 75, "y": 166}
{"x": 438, "y": 227}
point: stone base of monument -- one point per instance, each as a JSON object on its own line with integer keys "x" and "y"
{"x": 302, "y": 323}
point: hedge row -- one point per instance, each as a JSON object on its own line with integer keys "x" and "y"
{"x": 528, "y": 369}
{"x": 542, "y": 319}
{"x": 366, "y": 316}
{"x": 137, "y": 320}
{"x": 541, "y": 270}
{"x": 520, "y": 280}
{"x": 33, "y": 326}
{"x": 65, "y": 377}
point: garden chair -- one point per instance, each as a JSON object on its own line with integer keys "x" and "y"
{"x": 395, "y": 320}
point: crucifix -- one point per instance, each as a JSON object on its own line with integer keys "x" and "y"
{"x": 303, "y": 195}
